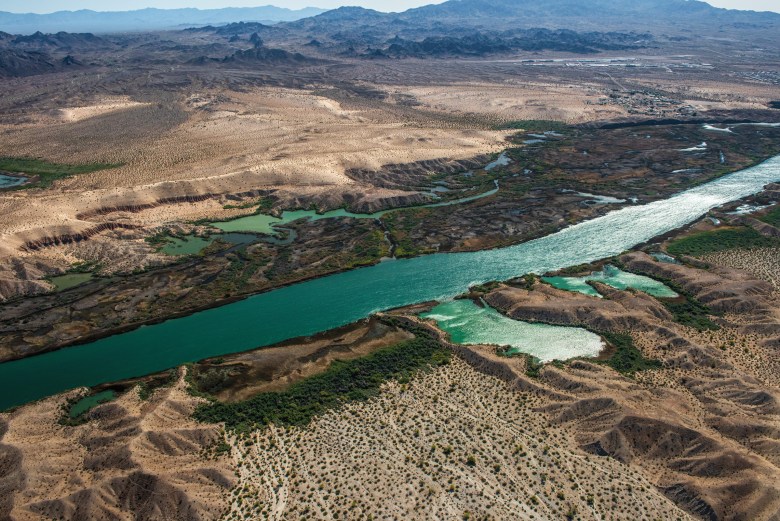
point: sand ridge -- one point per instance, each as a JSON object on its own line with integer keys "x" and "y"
{"x": 267, "y": 138}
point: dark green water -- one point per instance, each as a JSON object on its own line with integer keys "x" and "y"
{"x": 88, "y": 402}
{"x": 335, "y": 300}
{"x": 189, "y": 245}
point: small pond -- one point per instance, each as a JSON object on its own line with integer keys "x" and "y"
{"x": 10, "y": 181}
{"x": 88, "y": 402}
{"x": 614, "y": 277}
{"x": 468, "y": 323}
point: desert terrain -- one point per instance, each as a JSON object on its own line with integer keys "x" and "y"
{"x": 189, "y": 136}
{"x": 684, "y": 428}
{"x": 150, "y": 176}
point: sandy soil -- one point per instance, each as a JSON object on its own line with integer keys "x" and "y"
{"x": 136, "y": 460}
{"x": 267, "y": 138}
{"x": 519, "y": 101}
{"x": 763, "y": 263}
{"x": 104, "y": 106}
{"x": 405, "y": 455}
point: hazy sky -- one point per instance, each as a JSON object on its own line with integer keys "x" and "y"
{"x": 47, "y": 6}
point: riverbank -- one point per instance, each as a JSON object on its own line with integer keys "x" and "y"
{"x": 533, "y": 202}
{"x": 324, "y": 303}
{"x": 589, "y": 410}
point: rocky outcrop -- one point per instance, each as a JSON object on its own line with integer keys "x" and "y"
{"x": 406, "y": 175}
{"x": 711, "y": 438}
{"x": 619, "y": 311}
{"x": 68, "y": 238}
{"x": 357, "y": 199}
{"x": 135, "y": 208}
{"x": 765, "y": 229}
{"x": 136, "y": 459}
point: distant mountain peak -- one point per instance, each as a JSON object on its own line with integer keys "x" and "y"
{"x": 149, "y": 19}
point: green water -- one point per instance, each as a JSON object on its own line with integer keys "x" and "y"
{"x": 332, "y": 301}
{"x": 188, "y": 245}
{"x": 467, "y": 323}
{"x": 70, "y": 280}
{"x": 614, "y": 277}
{"x": 88, "y": 402}
{"x": 261, "y": 223}
{"x": 192, "y": 244}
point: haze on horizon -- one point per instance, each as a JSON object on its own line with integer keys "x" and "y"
{"x": 48, "y": 6}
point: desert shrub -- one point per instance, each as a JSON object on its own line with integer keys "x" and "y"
{"x": 627, "y": 359}
{"x": 773, "y": 216}
{"x": 690, "y": 312}
{"x": 719, "y": 240}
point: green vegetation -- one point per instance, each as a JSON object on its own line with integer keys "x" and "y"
{"x": 534, "y": 125}
{"x": 627, "y": 359}
{"x": 533, "y": 366}
{"x": 487, "y": 287}
{"x": 84, "y": 267}
{"x": 342, "y": 382}
{"x": 401, "y": 224}
{"x": 147, "y": 387}
{"x": 159, "y": 238}
{"x": 583, "y": 268}
{"x": 686, "y": 309}
{"x": 263, "y": 205}
{"x": 690, "y": 312}
{"x": 47, "y": 172}
{"x": 719, "y": 240}
{"x": 210, "y": 381}
{"x": 368, "y": 250}
{"x": 773, "y": 216}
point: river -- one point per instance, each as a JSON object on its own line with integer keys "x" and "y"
{"x": 335, "y": 300}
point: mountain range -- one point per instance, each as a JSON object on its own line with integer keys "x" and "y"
{"x": 674, "y": 16}
{"x": 144, "y": 19}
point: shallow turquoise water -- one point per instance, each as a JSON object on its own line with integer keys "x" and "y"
{"x": 501, "y": 160}
{"x": 9, "y": 181}
{"x": 614, "y": 277}
{"x": 336, "y": 300}
{"x": 467, "y": 323}
{"x": 663, "y": 257}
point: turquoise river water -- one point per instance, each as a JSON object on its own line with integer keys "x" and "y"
{"x": 335, "y": 300}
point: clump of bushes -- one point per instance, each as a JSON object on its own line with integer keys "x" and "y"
{"x": 720, "y": 240}
{"x": 627, "y": 359}
{"x": 342, "y": 382}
